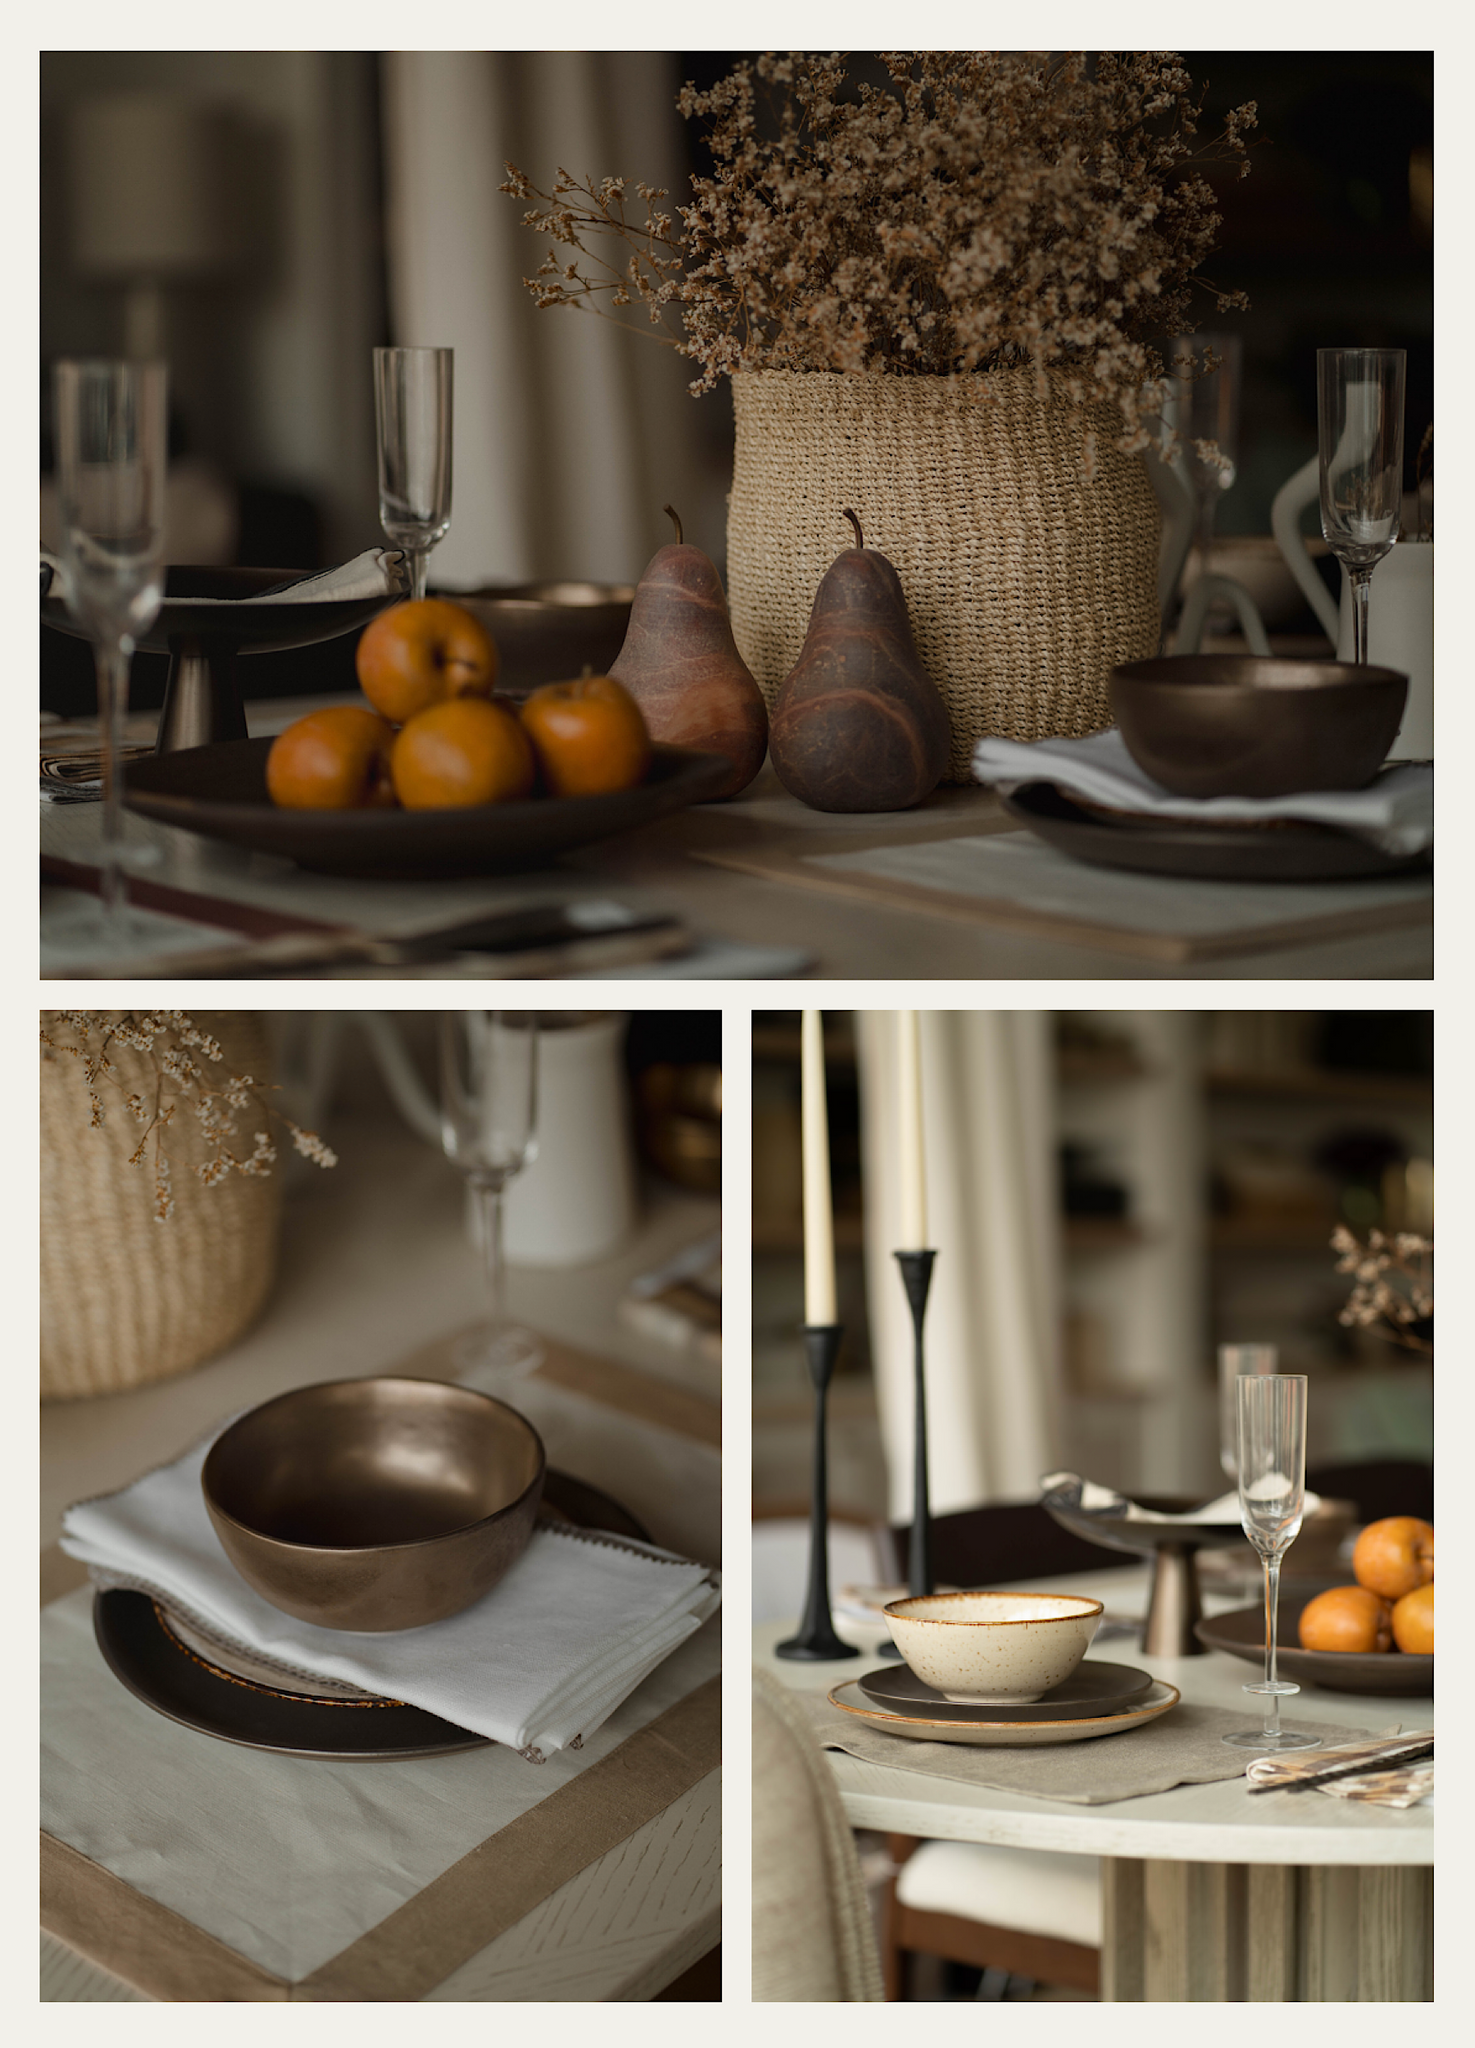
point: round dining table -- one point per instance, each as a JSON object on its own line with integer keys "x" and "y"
{"x": 1209, "y": 1892}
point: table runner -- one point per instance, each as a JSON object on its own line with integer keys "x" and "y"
{"x": 1184, "y": 1747}
{"x": 447, "y": 1853}
{"x": 1010, "y": 880}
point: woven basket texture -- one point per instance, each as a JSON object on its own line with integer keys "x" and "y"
{"x": 126, "y": 1299}
{"x": 1025, "y": 584}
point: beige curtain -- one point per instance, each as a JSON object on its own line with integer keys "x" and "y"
{"x": 993, "y": 1368}
{"x": 570, "y": 434}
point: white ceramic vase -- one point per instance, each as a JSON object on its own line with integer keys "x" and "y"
{"x": 1400, "y": 634}
{"x": 576, "y": 1200}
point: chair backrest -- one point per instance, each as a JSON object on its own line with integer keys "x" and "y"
{"x": 812, "y": 1935}
{"x": 1008, "y": 1540}
{"x": 1378, "y": 1487}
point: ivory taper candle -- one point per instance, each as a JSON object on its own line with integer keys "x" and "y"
{"x": 913, "y": 1162}
{"x": 819, "y": 1219}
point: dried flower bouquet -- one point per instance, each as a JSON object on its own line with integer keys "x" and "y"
{"x": 980, "y": 211}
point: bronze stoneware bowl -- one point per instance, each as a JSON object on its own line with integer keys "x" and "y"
{"x": 375, "y": 1504}
{"x": 1243, "y": 725}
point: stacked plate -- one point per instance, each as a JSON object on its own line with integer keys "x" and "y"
{"x": 1096, "y": 1699}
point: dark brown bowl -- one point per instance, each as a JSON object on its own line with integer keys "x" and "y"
{"x": 1241, "y": 725}
{"x": 1391, "y": 1674}
{"x": 220, "y": 791}
{"x": 546, "y": 632}
{"x": 375, "y": 1504}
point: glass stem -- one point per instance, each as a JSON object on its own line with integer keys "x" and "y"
{"x": 112, "y": 705}
{"x": 1360, "y": 580}
{"x": 1272, "y": 1609}
{"x": 489, "y": 1203}
{"x": 418, "y": 560}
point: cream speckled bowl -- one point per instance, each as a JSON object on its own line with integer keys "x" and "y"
{"x": 993, "y": 1647}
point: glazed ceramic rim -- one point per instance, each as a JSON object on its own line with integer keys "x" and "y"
{"x": 369, "y": 1549}
{"x": 1079, "y": 1608}
{"x": 1147, "y": 1708}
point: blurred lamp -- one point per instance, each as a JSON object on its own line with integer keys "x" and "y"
{"x": 149, "y": 179}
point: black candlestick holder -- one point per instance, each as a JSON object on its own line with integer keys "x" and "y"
{"x": 817, "y": 1641}
{"x": 916, "y": 1277}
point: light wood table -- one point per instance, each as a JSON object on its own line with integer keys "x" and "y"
{"x": 1209, "y": 1892}
{"x": 665, "y": 868}
{"x": 375, "y": 1259}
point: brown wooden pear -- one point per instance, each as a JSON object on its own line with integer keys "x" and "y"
{"x": 859, "y": 725}
{"x": 681, "y": 664}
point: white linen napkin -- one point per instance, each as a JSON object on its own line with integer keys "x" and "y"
{"x": 1394, "y": 812}
{"x": 538, "y": 1663}
{"x": 376, "y": 572}
{"x": 1093, "y": 1499}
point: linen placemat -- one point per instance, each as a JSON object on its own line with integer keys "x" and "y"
{"x": 202, "y": 1870}
{"x": 1183, "y": 1747}
{"x": 1014, "y": 882}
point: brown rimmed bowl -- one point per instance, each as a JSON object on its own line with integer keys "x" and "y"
{"x": 993, "y": 1648}
{"x": 1206, "y": 725}
{"x": 375, "y": 1504}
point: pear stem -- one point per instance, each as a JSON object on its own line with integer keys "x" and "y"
{"x": 860, "y": 539}
{"x": 675, "y": 518}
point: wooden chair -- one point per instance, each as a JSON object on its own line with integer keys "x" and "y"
{"x": 1033, "y": 1914}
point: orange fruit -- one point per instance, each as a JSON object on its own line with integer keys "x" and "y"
{"x": 467, "y": 750}
{"x": 419, "y": 653}
{"x": 1346, "y": 1618}
{"x": 1413, "y": 1621}
{"x": 589, "y": 736}
{"x": 336, "y": 759}
{"x": 1393, "y": 1556}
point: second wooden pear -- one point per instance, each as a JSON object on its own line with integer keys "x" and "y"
{"x": 859, "y": 725}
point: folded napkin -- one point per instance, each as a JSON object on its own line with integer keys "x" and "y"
{"x": 376, "y": 572}
{"x": 1389, "y": 1770}
{"x": 538, "y": 1663}
{"x": 1092, "y": 1499}
{"x": 1395, "y": 811}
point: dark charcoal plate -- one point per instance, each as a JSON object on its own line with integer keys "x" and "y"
{"x": 172, "y": 1679}
{"x": 1288, "y": 851}
{"x": 1115, "y": 1532}
{"x": 1091, "y": 1689}
{"x": 220, "y": 791}
{"x": 1393, "y": 1673}
{"x": 260, "y": 628}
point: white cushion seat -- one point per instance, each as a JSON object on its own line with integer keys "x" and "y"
{"x": 1031, "y": 1891}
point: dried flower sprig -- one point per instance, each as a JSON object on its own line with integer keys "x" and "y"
{"x": 983, "y": 210}
{"x": 1394, "y": 1284}
{"x": 177, "y": 1048}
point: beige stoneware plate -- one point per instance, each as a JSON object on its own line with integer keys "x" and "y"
{"x": 1160, "y": 1699}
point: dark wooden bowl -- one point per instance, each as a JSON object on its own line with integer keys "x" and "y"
{"x": 1206, "y": 725}
{"x": 221, "y": 792}
{"x": 375, "y": 1504}
{"x": 547, "y": 632}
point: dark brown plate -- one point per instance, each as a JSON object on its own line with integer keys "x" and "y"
{"x": 157, "y": 1668}
{"x": 1393, "y": 1673}
{"x": 220, "y": 791}
{"x": 260, "y": 628}
{"x": 1091, "y": 1689}
{"x": 1202, "y": 852}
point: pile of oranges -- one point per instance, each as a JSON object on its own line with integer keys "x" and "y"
{"x": 1392, "y": 1604}
{"x": 437, "y": 738}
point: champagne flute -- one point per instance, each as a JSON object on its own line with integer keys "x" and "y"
{"x": 1359, "y": 394}
{"x": 111, "y": 460}
{"x": 1272, "y": 1490}
{"x": 489, "y": 1100}
{"x": 1206, "y": 408}
{"x": 1235, "y": 1359}
{"x": 412, "y": 410}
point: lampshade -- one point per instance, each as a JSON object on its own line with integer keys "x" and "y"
{"x": 149, "y": 178}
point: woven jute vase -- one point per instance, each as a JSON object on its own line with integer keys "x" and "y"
{"x": 126, "y": 1299}
{"x": 1025, "y": 584}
